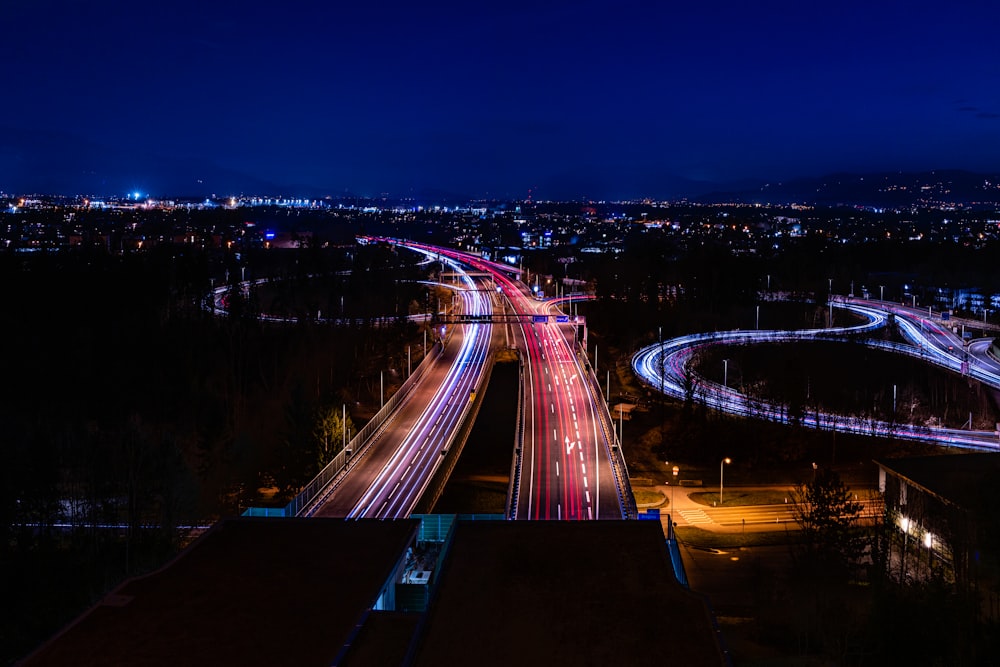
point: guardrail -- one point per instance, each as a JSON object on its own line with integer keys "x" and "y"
{"x": 515, "y": 463}
{"x": 615, "y": 454}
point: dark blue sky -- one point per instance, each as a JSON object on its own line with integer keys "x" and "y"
{"x": 572, "y": 99}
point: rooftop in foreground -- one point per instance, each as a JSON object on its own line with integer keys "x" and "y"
{"x": 568, "y": 593}
{"x": 249, "y": 592}
{"x": 285, "y": 591}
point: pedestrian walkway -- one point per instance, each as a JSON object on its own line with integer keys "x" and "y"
{"x": 695, "y": 517}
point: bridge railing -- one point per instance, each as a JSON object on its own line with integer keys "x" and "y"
{"x": 515, "y": 463}
{"x": 611, "y": 443}
{"x": 332, "y": 473}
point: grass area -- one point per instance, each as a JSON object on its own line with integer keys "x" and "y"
{"x": 646, "y": 497}
{"x": 706, "y": 539}
{"x": 738, "y": 498}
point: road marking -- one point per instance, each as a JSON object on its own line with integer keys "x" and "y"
{"x": 588, "y": 496}
{"x": 585, "y": 482}
{"x": 695, "y": 516}
{"x": 559, "y": 511}
{"x": 557, "y": 468}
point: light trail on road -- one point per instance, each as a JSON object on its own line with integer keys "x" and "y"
{"x": 566, "y": 451}
{"x": 390, "y": 483}
{"x": 666, "y": 367}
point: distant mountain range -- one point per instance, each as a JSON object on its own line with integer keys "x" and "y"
{"x": 881, "y": 190}
{"x": 84, "y": 167}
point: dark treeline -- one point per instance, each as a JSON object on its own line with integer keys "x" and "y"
{"x": 684, "y": 285}
{"x": 126, "y": 403}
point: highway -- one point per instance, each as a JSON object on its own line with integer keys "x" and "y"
{"x": 566, "y": 448}
{"x": 566, "y": 468}
{"x": 666, "y": 366}
{"x": 396, "y": 469}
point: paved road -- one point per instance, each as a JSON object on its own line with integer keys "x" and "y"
{"x": 667, "y": 367}
{"x": 565, "y": 463}
{"x": 566, "y": 469}
{"x": 395, "y": 470}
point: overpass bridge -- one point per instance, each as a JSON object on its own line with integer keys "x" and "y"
{"x": 566, "y": 461}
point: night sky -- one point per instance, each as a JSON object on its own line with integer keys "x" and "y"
{"x": 568, "y": 99}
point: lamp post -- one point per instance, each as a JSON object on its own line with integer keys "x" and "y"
{"x": 672, "y": 506}
{"x": 722, "y": 468}
{"x": 881, "y": 292}
{"x": 725, "y": 373}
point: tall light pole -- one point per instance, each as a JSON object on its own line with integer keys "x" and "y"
{"x": 881, "y": 292}
{"x": 722, "y": 467}
{"x": 672, "y": 506}
{"x": 829, "y": 301}
{"x": 725, "y": 372}
{"x": 662, "y": 373}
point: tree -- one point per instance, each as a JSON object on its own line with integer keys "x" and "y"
{"x": 828, "y": 516}
{"x": 329, "y": 432}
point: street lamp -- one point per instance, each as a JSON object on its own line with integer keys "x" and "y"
{"x": 672, "y": 506}
{"x": 881, "y": 292}
{"x": 722, "y": 467}
{"x": 725, "y": 373}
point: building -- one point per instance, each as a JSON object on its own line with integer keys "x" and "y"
{"x": 430, "y": 590}
{"x": 947, "y": 511}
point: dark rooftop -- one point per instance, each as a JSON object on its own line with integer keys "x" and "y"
{"x": 568, "y": 593}
{"x": 249, "y": 592}
{"x": 956, "y": 478}
{"x": 301, "y": 591}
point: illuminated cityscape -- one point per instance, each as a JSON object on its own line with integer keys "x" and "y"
{"x": 513, "y": 333}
